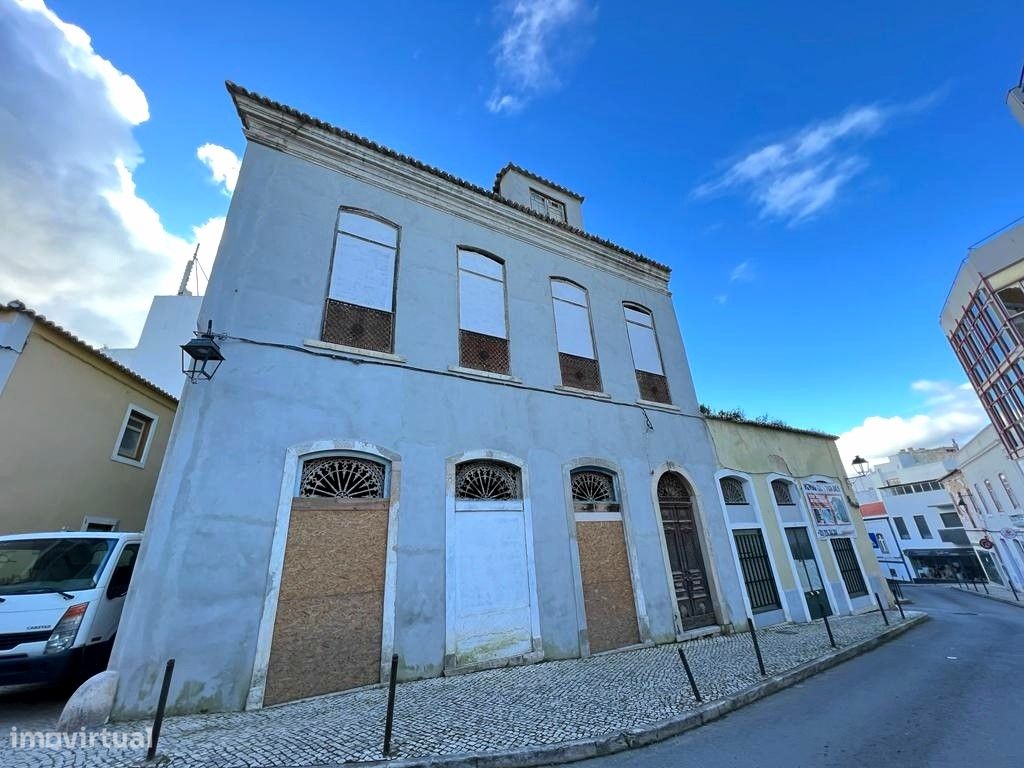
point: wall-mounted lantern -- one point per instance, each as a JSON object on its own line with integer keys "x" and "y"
{"x": 860, "y": 465}
{"x": 201, "y": 357}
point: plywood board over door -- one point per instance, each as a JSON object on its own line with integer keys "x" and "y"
{"x": 607, "y": 585}
{"x": 327, "y": 632}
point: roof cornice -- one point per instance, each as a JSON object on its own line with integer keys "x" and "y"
{"x": 287, "y": 130}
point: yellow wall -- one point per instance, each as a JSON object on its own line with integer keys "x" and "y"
{"x": 60, "y": 415}
{"x": 755, "y": 451}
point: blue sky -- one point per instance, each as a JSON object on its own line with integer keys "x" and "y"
{"x": 813, "y": 173}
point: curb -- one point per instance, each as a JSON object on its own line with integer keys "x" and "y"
{"x": 632, "y": 738}
{"x": 997, "y": 598}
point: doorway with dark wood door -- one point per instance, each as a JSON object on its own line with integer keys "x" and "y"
{"x": 689, "y": 576}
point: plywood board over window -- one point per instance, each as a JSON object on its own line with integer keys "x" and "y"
{"x": 329, "y": 621}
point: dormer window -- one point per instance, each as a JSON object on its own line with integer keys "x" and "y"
{"x": 547, "y": 206}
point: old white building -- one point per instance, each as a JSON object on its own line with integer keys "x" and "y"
{"x": 451, "y": 424}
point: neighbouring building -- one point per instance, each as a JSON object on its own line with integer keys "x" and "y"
{"x": 450, "y": 424}
{"x": 83, "y": 436}
{"x": 987, "y": 488}
{"x": 171, "y": 322}
{"x": 1015, "y": 99}
{"x": 798, "y": 539}
{"x": 912, "y": 520}
{"x": 983, "y": 319}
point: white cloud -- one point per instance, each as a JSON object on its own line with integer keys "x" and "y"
{"x": 799, "y": 176}
{"x": 223, "y": 164}
{"x": 947, "y": 412}
{"x": 744, "y": 272}
{"x": 77, "y": 242}
{"x": 524, "y": 53}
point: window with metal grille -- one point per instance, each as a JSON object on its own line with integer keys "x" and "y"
{"x": 733, "y": 491}
{"x": 577, "y": 357}
{"x": 848, "y": 567}
{"x": 643, "y": 343}
{"x": 483, "y": 328}
{"x": 901, "y": 527}
{"x": 593, "y": 490}
{"x": 487, "y": 481}
{"x": 1009, "y": 491}
{"x": 757, "y": 571}
{"x": 783, "y": 492}
{"x": 361, "y": 292}
{"x": 343, "y": 477}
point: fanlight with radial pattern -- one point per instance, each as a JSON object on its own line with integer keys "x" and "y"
{"x": 342, "y": 477}
{"x": 487, "y": 480}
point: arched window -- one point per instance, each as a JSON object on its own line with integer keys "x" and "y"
{"x": 487, "y": 481}
{"x": 361, "y": 293}
{"x": 483, "y": 330}
{"x": 643, "y": 342}
{"x": 783, "y": 492}
{"x": 343, "y": 477}
{"x": 1009, "y": 491}
{"x": 577, "y": 357}
{"x": 673, "y": 487}
{"x": 992, "y": 494}
{"x": 981, "y": 498}
{"x": 733, "y": 491}
{"x": 594, "y": 489}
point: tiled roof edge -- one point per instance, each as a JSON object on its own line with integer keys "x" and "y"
{"x": 20, "y": 308}
{"x": 531, "y": 175}
{"x": 236, "y": 90}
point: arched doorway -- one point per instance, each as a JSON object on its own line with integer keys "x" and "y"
{"x": 689, "y": 576}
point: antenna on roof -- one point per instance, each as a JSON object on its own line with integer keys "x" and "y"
{"x": 183, "y": 288}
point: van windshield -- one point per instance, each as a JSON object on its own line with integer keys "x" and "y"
{"x": 46, "y": 565}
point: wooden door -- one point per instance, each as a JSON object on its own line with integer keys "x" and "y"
{"x": 689, "y": 577}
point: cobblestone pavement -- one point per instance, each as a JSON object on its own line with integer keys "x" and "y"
{"x": 495, "y": 710}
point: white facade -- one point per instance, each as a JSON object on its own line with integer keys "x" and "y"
{"x": 991, "y": 486}
{"x": 170, "y": 323}
{"x": 917, "y": 519}
{"x": 465, "y": 582}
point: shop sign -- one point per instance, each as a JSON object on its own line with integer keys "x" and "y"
{"x": 827, "y": 503}
{"x": 1011, "y": 533}
{"x": 986, "y": 543}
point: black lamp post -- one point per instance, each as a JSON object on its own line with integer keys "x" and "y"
{"x": 201, "y": 357}
{"x": 860, "y": 465}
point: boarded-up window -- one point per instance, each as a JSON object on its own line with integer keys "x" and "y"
{"x": 650, "y": 376}
{"x": 576, "y": 356}
{"x": 483, "y": 332}
{"x": 360, "y": 297}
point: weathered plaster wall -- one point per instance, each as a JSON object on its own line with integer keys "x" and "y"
{"x": 61, "y": 412}
{"x": 202, "y": 575}
{"x": 755, "y": 451}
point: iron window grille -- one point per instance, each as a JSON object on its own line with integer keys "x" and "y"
{"x": 757, "y": 571}
{"x": 848, "y": 568}
{"x": 672, "y": 487}
{"x": 488, "y": 481}
{"x": 733, "y": 491}
{"x": 783, "y": 493}
{"x": 342, "y": 477}
{"x": 593, "y": 490}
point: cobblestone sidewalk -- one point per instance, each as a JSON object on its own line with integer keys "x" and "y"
{"x": 497, "y": 710}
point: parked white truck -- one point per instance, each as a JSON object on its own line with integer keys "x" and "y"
{"x": 61, "y": 596}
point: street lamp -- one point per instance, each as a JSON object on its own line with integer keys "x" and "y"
{"x": 201, "y": 357}
{"x": 861, "y": 465}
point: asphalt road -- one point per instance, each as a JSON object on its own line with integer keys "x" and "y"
{"x": 947, "y": 693}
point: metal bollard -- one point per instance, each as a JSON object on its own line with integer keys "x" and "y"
{"x": 689, "y": 676}
{"x": 975, "y": 585}
{"x": 757, "y": 647}
{"x": 161, "y": 705}
{"x": 903, "y": 616}
{"x": 882, "y": 609}
{"x": 828, "y": 629}
{"x": 984, "y": 584}
{"x": 389, "y": 720}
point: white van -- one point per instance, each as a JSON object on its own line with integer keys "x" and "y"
{"x": 61, "y": 596}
